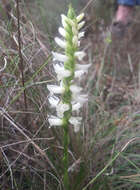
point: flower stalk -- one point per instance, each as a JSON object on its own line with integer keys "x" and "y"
{"x": 67, "y": 68}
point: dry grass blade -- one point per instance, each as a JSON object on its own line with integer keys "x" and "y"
{"x": 42, "y": 153}
{"x": 21, "y": 67}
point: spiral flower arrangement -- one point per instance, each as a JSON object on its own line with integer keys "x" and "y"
{"x": 67, "y": 68}
{"x": 67, "y": 97}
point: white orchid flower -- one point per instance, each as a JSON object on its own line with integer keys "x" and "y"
{"x": 81, "y": 69}
{"x": 66, "y": 20}
{"x": 63, "y": 19}
{"x": 61, "y": 71}
{"x": 53, "y": 100}
{"x": 60, "y": 42}
{"x": 82, "y": 66}
{"x": 75, "y": 41}
{"x": 76, "y": 122}
{"x": 76, "y": 106}
{"x": 81, "y": 98}
{"x": 75, "y": 89}
{"x": 55, "y": 121}
{"x": 61, "y": 108}
{"x": 81, "y": 34}
{"x": 80, "y": 55}
{"x": 81, "y": 24}
{"x": 80, "y": 17}
{"x": 54, "y": 89}
{"x": 75, "y": 31}
{"x": 59, "y": 57}
{"x": 62, "y": 32}
{"x": 79, "y": 73}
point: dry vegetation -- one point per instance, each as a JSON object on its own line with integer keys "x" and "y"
{"x": 105, "y": 154}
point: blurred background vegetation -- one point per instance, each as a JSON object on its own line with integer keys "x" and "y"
{"x": 105, "y": 154}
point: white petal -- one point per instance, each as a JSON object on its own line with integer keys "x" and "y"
{"x": 55, "y": 121}
{"x": 82, "y": 66}
{"x": 81, "y": 98}
{"x": 80, "y": 17}
{"x": 76, "y": 122}
{"x": 61, "y": 108}
{"x": 62, "y": 31}
{"x": 80, "y": 55}
{"x": 53, "y": 100}
{"x": 71, "y": 22}
{"x": 54, "y": 89}
{"x": 60, "y": 42}
{"x": 79, "y": 73}
{"x": 75, "y": 41}
{"x": 76, "y": 128}
{"x": 78, "y": 43}
{"x": 81, "y": 34}
{"x": 75, "y": 89}
{"x": 75, "y": 31}
{"x": 64, "y": 18}
{"x": 76, "y": 106}
{"x": 59, "y": 57}
{"x": 61, "y": 71}
{"x": 81, "y": 24}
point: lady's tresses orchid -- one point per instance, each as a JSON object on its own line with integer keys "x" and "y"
{"x": 69, "y": 97}
{"x": 67, "y": 68}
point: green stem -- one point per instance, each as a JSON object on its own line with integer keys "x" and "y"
{"x": 65, "y": 158}
{"x": 66, "y": 99}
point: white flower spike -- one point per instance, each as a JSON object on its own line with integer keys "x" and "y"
{"x": 70, "y": 100}
{"x": 67, "y": 69}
